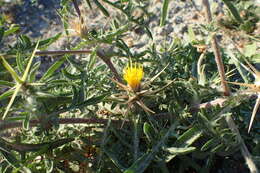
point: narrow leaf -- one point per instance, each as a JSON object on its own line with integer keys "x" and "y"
{"x": 164, "y": 12}
{"x": 13, "y": 29}
{"x": 1, "y": 33}
{"x": 6, "y": 83}
{"x": 53, "y": 68}
{"x": 11, "y": 70}
{"x": 188, "y": 137}
{"x": 6, "y": 94}
{"x": 102, "y": 8}
{"x": 233, "y": 10}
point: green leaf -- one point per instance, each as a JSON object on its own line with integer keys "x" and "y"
{"x": 91, "y": 101}
{"x": 141, "y": 164}
{"x": 53, "y": 68}
{"x": 10, "y": 159}
{"x": 6, "y": 94}
{"x": 233, "y": 10}
{"x": 32, "y": 74}
{"x": 148, "y": 32}
{"x": 92, "y": 60}
{"x": 148, "y": 131}
{"x": 89, "y": 4}
{"x": 2, "y": 31}
{"x": 144, "y": 161}
{"x": 11, "y": 70}
{"x": 43, "y": 44}
{"x": 6, "y": 83}
{"x": 184, "y": 141}
{"x": 210, "y": 143}
{"x": 191, "y": 35}
{"x": 177, "y": 151}
{"x": 69, "y": 75}
{"x": 26, "y": 122}
{"x": 48, "y": 165}
{"x": 174, "y": 151}
{"x": 20, "y": 62}
{"x": 250, "y": 50}
{"x": 164, "y": 12}
{"x": 187, "y": 138}
{"x": 12, "y": 29}
{"x": 114, "y": 159}
{"x": 75, "y": 64}
{"x": 102, "y": 8}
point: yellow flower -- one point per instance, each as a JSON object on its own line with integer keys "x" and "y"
{"x": 133, "y": 75}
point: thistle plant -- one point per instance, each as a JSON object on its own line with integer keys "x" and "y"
{"x": 252, "y": 88}
{"x": 107, "y": 104}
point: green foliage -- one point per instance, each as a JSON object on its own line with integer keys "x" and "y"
{"x": 76, "y": 117}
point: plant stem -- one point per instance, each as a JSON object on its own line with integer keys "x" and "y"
{"x": 136, "y": 139}
{"x": 102, "y": 55}
{"x": 248, "y": 158}
{"x": 216, "y": 50}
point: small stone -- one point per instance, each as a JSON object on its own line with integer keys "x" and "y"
{"x": 178, "y": 20}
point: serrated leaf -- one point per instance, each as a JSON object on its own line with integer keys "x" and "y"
{"x": 187, "y": 138}
{"x": 174, "y": 151}
{"x": 210, "y": 143}
{"x": 69, "y": 75}
{"x": 20, "y": 63}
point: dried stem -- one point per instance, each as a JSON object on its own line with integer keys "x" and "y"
{"x": 103, "y": 55}
{"x": 100, "y": 52}
{"x": 248, "y": 158}
{"x": 216, "y": 50}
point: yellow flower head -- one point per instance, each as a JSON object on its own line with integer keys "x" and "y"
{"x": 133, "y": 75}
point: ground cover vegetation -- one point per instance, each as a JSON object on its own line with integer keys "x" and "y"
{"x": 103, "y": 105}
